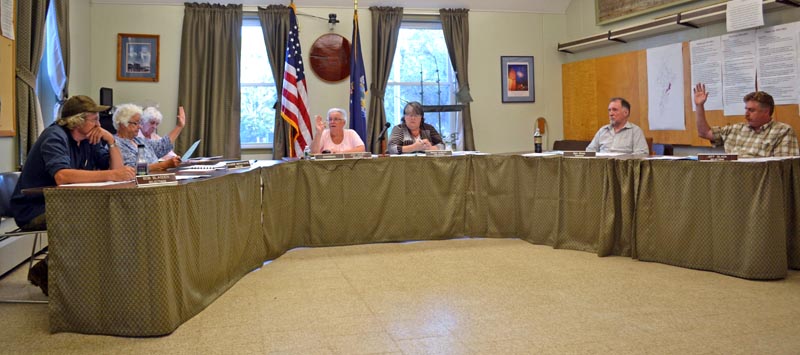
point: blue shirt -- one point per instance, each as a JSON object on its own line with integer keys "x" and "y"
{"x": 54, "y": 150}
{"x": 153, "y": 148}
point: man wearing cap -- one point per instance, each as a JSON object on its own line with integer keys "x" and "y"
{"x": 74, "y": 149}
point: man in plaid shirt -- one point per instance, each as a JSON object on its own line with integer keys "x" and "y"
{"x": 760, "y": 136}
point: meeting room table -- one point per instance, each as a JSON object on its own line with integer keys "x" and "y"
{"x": 133, "y": 261}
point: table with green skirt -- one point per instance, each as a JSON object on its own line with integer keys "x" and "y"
{"x": 141, "y": 261}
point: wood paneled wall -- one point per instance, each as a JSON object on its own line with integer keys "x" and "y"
{"x": 589, "y": 84}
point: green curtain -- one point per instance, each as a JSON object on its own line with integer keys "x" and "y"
{"x": 275, "y": 26}
{"x": 455, "y": 25}
{"x": 385, "y": 30}
{"x": 208, "y": 85}
{"x": 31, "y": 15}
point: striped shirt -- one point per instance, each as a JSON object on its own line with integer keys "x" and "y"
{"x": 772, "y": 139}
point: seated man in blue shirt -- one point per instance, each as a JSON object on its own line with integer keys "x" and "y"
{"x": 619, "y": 136}
{"x": 74, "y": 149}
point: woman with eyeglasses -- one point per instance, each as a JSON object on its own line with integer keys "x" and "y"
{"x": 127, "y": 119}
{"x": 336, "y": 138}
{"x": 151, "y": 118}
{"x": 413, "y": 134}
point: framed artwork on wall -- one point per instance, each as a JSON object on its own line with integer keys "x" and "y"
{"x": 517, "y": 79}
{"x": 609, "y": 11}
{"x": 137, "y": 57}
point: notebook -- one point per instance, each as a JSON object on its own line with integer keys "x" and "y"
{"x": 190, "y": 151}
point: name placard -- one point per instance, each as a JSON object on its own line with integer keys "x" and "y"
{"x": 156, "y": 180}
{"x": 329, "y": 156}
{"x": 717, "y": 157}
{"x": 438, "y": 153}
{"x": 579, "y": 154}
{"x": 358, "y": 155}
{"x": 239, "y": 164}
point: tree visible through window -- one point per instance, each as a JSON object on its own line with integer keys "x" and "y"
{"x": 258, "y": 89}
{"x": 421, "y": 71}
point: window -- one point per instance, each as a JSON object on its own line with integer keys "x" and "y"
{"x": 421, "y": 71}
{"x": 51, "y": 78}
{"x": 258, "y": 92}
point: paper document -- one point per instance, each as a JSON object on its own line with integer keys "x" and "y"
{"x": 744, "y": 14}
{"x": 90, "y": 184}
{"x": 706, "y": 59}
{"x": 777, "y": 62}
{"x": 738, "y": 70}
{"x": 220, "y": 165}
{"x": 665, "y": 88}
{"x": 7, "y": 18}
{"x": 189, "y": 177}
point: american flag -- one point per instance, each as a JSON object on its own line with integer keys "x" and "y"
{"x": 294, "y": 98}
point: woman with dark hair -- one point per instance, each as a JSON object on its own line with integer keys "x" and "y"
{"x": 413, "y": 134}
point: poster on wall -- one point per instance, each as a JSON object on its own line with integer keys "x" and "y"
{"x": 517, "y": 79}
{"x": 777, "y": 62}
{"x": 137, "y": 57}
{"x": 738, "y": 70}
{"x": 665, "y": 88}
{"x": 706, "y": 58}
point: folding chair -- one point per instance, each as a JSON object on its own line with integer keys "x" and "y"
{"x": 7, "y": 183}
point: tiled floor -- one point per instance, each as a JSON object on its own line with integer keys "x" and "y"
{"x": 467, "y": 296}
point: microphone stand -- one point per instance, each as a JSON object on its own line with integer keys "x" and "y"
{"x": 382, "y": 138}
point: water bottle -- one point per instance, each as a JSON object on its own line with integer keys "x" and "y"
{"x": 307, "y": 152}
{"x": 537, "y": 141}
{"x": 141, "y": 161}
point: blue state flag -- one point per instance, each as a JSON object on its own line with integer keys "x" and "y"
{"x": 358, "y": 85}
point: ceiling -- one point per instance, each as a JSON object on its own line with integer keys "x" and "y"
{"x": 536, "y": 6}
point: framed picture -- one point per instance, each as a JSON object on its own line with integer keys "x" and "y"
{"x": 609, "y": 11}
{"x": 517, "y": 79}
{"x": 137, "y": 57}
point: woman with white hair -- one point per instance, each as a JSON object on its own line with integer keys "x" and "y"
{"x": 127, "y": 119}
{"x": 151, "y": 118}
{"x": 335, "y": 139}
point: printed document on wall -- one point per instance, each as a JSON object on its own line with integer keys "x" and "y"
{"x": 665, "y": 87}
{"x": 706, "y": 59}
{"x": 7, "y": 18}
{"x": 744, "y": 14}
{"x": 738, "y": 70}
{"x": 777, "y": 62}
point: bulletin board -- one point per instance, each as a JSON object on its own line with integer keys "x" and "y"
{"x": 589, "y": 84}
{"x": 7, "y": 80}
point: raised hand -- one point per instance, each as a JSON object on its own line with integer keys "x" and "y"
{"x": 700, "y": 94}
{"x": 181, "y": 117}
{"x": 319, "y": 123}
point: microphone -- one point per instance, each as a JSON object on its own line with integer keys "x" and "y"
{"x": 383, "y": 133}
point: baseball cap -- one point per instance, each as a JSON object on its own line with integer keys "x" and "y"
{"x": 79, "y": 104}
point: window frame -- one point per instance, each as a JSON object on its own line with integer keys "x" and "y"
{"x": 252, "y": 20}
{"x": 426, "y": 22}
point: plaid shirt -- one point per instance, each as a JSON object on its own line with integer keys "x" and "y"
{"x": 773, "y": 139}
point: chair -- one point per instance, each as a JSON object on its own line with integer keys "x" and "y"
{"x": 649, "y": 141}
{"x": 570, "y": 145}
{"x": 7, "y": 183}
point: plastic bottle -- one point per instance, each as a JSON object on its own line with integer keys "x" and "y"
{"x": 537, "y": 141}
{"x": 141, "y": 161}
{"x": 307, "y": 152}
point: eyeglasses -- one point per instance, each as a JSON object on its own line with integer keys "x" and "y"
{"x": 335, "y": 119}
{"x": 132, "y": 123}
{"x": 412, "y": 114}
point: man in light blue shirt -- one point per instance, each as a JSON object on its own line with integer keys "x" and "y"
{"x": 619, "y": 136}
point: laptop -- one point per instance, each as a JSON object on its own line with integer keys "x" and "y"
{"x": 190, "y": 151}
